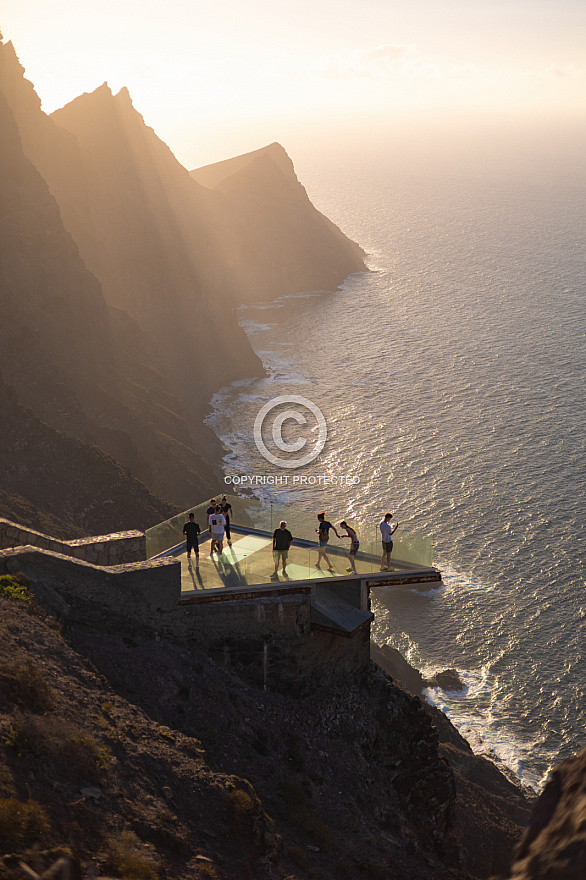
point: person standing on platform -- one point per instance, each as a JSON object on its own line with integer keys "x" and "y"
{"x": 387, "y": 530}
{"x": 354, "y": 545}
{"x": 282, "y": 539}
{"x": 226, "y": 510}
{"x": 211, "y": 509}
{"x": 191, "y": 530}
{"x": 323, "y": 533}
{"x": 217, "y": 525}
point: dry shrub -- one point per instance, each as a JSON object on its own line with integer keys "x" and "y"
{"x": 125, "y": 858}
{"x": 72, "y": 753}
{"x": 242, "y": 805}
{"x": 28, "y": 686}
{"x": 21, "y": 824}
{"x": 15, "y": 737}
{"x": 7, "y": 787}
{"x": 206, "y": 872}
{"x": 14, "y": 588}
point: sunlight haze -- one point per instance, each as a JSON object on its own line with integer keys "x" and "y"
{"x": 219, "y": 79}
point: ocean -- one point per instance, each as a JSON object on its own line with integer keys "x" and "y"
{"x": 451, "y": 379}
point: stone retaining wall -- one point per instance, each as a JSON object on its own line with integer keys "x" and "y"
{"x": 265, "y": 635}
{"x": 127, "y": 599}
{"x": 118, "y": 548}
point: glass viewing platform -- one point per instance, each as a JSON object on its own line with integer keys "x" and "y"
{"x": 249, "y": 560}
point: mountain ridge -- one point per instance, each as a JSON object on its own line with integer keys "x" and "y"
{"x": 121, "y": 276}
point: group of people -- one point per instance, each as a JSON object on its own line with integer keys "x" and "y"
{"x": 282, "y": 540}
{"x": 218, "y": 523}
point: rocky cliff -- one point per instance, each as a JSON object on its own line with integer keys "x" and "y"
{"x": 120, "y": 275}
{"x": 280, "y": 243}
{"x": 153, "y": 245}
{"x": 82, "y": 367}
{"x": 64, "y": 487}
{"x": 141, "y": 227}
{"x": 489, "y": 810}
{"x": 553, "y": 846}
{"x": 200, "y": 774}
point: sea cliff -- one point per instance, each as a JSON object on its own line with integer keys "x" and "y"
{"x": 120, "y": 275}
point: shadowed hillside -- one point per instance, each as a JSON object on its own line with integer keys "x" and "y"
{"x": 153, "y": 246}
{"x": 63, "y": 487}
{"x": 200, "y": 774}
{"x": 120, "y": 276}
{"x": 80, "y": 366}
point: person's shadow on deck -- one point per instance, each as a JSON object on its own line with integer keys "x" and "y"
{"x": 229, "y": 571}
{"x": 195, "y": 577}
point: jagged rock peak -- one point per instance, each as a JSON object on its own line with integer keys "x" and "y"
{"x": 212, "y": 175}
{"x": 10, "y": 52}
{"x": 102, "y": 95}
{"x": 12, "y": 76}
{"x": 124, "y": 95}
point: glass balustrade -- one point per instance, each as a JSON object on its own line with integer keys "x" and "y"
{"x": 254, "y": 516}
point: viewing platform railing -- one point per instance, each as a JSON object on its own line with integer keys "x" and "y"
{"x": 252, "y": 515}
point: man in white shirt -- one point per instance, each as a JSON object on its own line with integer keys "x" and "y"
{"x": 387, "y": 530}
{"x": 217, "y": 526}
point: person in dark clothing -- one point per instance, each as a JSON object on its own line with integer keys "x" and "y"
{"x": 282, "y": 539}
{"x": 191, "y": 530}
{"x": 323, "y": 533}
{"x": 211, "y": 509}
{"x": 226, "y": 509}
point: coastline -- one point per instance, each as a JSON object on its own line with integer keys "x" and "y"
{"x": 235, "y": 457}
{"x": 394, "y": 664}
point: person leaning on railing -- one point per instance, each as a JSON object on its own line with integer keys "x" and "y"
{"x": 354, "y": 545}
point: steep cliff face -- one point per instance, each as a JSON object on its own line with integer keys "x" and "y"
{"x": 80, "y": 366}
{"x": 143, "y": 227}
{"x": 95, "y": 777}
{"x": 553, "y": 846}
{"x": 279, "y": 243}
{"x": 488, "y": 811}
{"x": 63, "y": 487}
{"x": 355, "y": 775}
{"x": 153, "y": 246}
{"x": 120, "y": 275}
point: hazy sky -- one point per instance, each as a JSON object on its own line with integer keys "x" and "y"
{"x": 219, "y": 77}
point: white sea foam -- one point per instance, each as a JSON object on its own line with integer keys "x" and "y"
{"x": 479, "y": 725}
{"x": 451, "y": 382}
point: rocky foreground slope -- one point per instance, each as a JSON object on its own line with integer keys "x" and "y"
{"x": 147, "y": 760}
